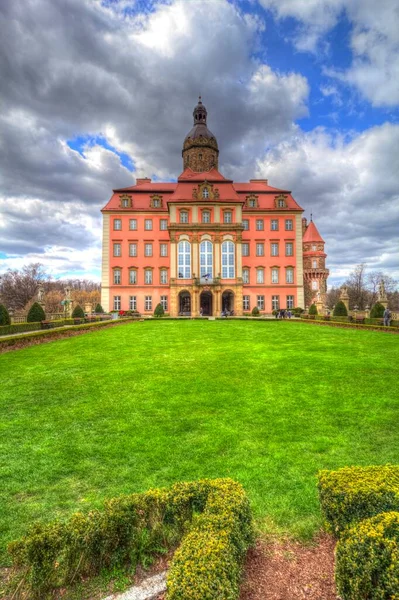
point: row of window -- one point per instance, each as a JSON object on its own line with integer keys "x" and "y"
{"x": 274, "y": 249}
{"x": 246, "y": 302}
{"x": 133, "y": 277}
{"x": 205, "y": 218}
{"x": 274, "y": 275}
{"x": 206, "y": 249}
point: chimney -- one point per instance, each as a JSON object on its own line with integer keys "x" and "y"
{"x": 304, "y": 225}
{"x": 265, "y": 181}
{"x": 143, "y": 180}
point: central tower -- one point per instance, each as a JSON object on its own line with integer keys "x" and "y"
{"x": 200, "y": 148}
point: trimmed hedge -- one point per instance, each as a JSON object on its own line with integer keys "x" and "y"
{"x": 21, "y": 327}
{"x": 367, "y": 559}
{"x": 4, "y": 316}
{"x": 159, "y": 311}
{"x": 313, "y": 310}
{"x": 340, "y": 310}
{"x": 255, "y": 311}
{"x": 207, "y": 564}
{"x": 36, "y": 313}
{"x": 377, "y": 311}
{"x": 78, "y": 312}
{"x": 351, "y": 494}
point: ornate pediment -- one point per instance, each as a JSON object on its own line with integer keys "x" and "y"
{"x": 125, "y": 201}
{"x": 252, "y": 201}
{"x": 205, "y": 191}
{"x": 281, "y": 201}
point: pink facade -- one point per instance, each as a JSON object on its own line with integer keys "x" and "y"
{"x": 204, "y": 243}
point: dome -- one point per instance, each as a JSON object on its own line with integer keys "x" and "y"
{"x": 200, "y": 129}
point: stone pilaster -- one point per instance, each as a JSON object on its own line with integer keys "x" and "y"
{"x": 300, "y": 296}
{"x": 105, "y": 300}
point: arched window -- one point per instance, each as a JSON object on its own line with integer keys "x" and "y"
{"x": 228, "y": 260}
{"x": 184, "y": 260}
{"x": 206, "y": 259}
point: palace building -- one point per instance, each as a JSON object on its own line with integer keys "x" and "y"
{"x": 205, "y": 244}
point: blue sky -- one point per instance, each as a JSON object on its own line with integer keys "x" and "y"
{"x": 305, "y": 94}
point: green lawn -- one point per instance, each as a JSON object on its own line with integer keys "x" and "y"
{"x": 146, "y": 404}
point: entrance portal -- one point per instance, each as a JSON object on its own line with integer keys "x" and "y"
{"x": 228, "y": 302}
{"x": 206, "y": 303}
{"x": 184, "y": 304}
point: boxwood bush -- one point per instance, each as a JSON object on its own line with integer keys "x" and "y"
{"x": 351, "y": 494}
{"x": 313, "y": 309}
{"x": 36, "y": 313}
{"x": 340, "y": 310}
{"x": 78, "y": 312}
{"x": 208, "y": 562}
{"x": 4, "y": 316}
{"x": 367, "y": 559}
{"x": 255, "y": 311}
{"x": 377, "y": 311}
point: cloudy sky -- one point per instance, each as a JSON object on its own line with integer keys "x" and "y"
{"x": 302, "y": 92}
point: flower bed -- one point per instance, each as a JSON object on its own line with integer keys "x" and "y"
{"x": 207, "y": 563}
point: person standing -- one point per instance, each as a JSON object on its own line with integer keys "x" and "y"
{"x": 387, "y": 317}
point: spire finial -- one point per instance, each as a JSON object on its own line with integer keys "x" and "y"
{"x": 311, "y": 216}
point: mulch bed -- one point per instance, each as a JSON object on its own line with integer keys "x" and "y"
{"x": 288, "y": 570}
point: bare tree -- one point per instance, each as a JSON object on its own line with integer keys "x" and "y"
{"x": 333, "y": 296}
{"x": 356, "y": 285}
{"x": 373, "y": 283}
{"x": 17, "y": 288}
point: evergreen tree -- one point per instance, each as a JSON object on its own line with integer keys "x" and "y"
{"x": 159, "y": 311}
{"x": 36, "y": 313}
{"x": 313, "y": 310}
{"x": 4, "y": 316}
{"x": 377, "y": 312}
{"x": 99, "y": 309}
{"x": 340, "y": 310}
{"x": 78, "y": 312}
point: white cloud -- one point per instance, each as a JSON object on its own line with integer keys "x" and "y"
{"x": 350, "y": 185}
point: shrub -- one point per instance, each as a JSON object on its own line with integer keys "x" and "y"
{"x": 377, "y": 311}
{"x": 78, "y": 312}
{"x": 340, "y": 310}
{"x": 313, "y": 310}
{"x": 19, "y": 328}
{"x": 99, "y": 309}
{"x": 367, "y": 559}
{"x": 136, "y": 526}
{"x": 4, "y": 316}
{"x": 255, "y": 311}
{"x": 159, "y": 311}
{"x": 298, "y": 310}
{"x": 351, "y": 494}
{"x": 36, "y": 313}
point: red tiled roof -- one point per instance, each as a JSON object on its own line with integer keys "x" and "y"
{"x": 311, "y": 234}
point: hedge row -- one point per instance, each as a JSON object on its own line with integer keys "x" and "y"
{"x": 360, "y": 505}
{"x": 22, "y": 327}
{"x": 11, "y": 341}
{"x": 364, "y": 321}
{"x": 207, "y": 564}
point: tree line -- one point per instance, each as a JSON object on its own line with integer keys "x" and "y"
{"x": 19, "y": 287}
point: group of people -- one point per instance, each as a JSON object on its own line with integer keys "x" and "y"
{"x": 283, "y": 314}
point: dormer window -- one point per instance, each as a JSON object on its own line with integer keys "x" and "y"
{"x": 205, "y": 193}
{"x": 126, "y": 201}
{"x": 252, "y": 201}
{"x": 281, "y": 203}
{"x": 156, "y": 201}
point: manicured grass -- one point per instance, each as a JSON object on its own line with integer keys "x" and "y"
{"x": 147, "y": 404}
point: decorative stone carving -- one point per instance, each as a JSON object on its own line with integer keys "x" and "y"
{"x": 125, "y": 200}
{"x": 156, "y": 201}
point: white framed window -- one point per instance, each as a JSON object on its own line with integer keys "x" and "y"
{"x": 227, "y": 216}
{"x": 156, "y": 203}
{"x": 163, "y": 249}
{"x": 148, "y": 224}
{"x": 163, "y": 224}
{"x": 148, "y": 249}
{"x": 117, "y": 276}
{"x": 117, "y": 224}
{"x": 274, "y": 275}
{"x": 117, "y": 302}
{"x": 183, "y": 216}
{"x": 274, "y": 224}
{"x": 289, "y": 224}
{"x": 117, "y": 249}
{"x": 245, "y": 275}
{"x": 260, "y": 275}
{"x": 163, "y": 276}
{"x": 206, "y": 259}
{"x": 245, "y": 249}
{"x": 289, "y": 275}
{"x": 206, "y": 216}
{"x": 260, "y": 225}
{"x": 132, "y": 302}
{"x": 314, "y": 247}
{"x": 274, "y": 249}
{"x": 314, "y": 264}
{"x": 252, "y": 203}
{"x": 164, "y": 302}
{"x": 132, "y": 249}
{"x": 281, "y": 203}
{"x": 228, "y": 260}
{"x": 290, "y": 302}
{"x": 132, "y": 276}
{"x": 205, "y": 192}
{"x": 132, "y": 224}
{"x": 184, "y": 260}
{"x": 148, "y": 276}
{"x": 148, "y": 302}
{"x": 289, "y": 249}
{"x": 260, "y": 249}
{"x": 245, "y": 224}
{"x": 246, "y": 303}
{"x": 315, "y": 285}
{"x": 125, "y": 203}
{"x": 260, "y": 301}
{"x": 275, "y": 302}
